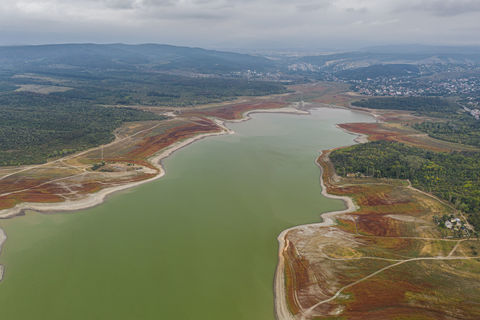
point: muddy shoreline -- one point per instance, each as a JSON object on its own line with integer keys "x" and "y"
{"x": 282, "y": 311}
{"x": 156, "y": 160}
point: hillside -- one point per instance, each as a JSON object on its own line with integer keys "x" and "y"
{"x": 127, "y": 57}
{"x": 53, "y": 97}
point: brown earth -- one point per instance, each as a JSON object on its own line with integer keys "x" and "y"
{"x": 58, "y": 182}
{"x": 392, "y": 225}
{"x": 393, "y": 132}
{"x": 323, "y": 260}
{"x": 235, "y": 112}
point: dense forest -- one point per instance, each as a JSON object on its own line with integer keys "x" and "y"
{"x": 454, "y": 177}
{"x": 421, "y": 105}
{"x": 139, "y": 88}
{"x": 56, "y": 99}
{"x": 461, "y": 129}
{"x": 150, "y": 89}
{"x": 35, "y": 127}
{"x": 67, "y": 112}
{"x": 136, "y": 74}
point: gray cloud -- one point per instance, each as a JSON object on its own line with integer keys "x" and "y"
{"x": 120, "y": 4}
{"x": 357, "y": 10}
{"x": 242, "y": 23}
{"x": 314, "y": 6}
{"x": 446, "y": 7}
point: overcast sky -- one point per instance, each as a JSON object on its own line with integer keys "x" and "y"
{"x": 249, "y": 24}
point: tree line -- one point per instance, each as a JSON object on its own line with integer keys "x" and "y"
{"x": 36, "y": 127}
{"x": 454, "y": 177}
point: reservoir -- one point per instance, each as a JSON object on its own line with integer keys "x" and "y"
{"x": 197, "y": 244}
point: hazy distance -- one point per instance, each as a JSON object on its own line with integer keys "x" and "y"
{"x": 306, "y": 25}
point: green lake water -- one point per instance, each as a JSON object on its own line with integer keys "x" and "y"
{"x": 200, "y": 243}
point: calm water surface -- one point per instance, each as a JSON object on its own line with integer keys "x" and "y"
{"x": 199, "y": 243}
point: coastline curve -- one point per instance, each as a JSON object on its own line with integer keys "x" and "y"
{"x": 282, "y": 311}
{"x": 156, "y": 160}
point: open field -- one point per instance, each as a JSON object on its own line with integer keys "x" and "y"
{"x": 387, "y": 260}
{"x": 393, "y": 131}
{"x": 121, "y": 162}
{"x": 42, "y": 89}
{"x": 326, "y": 93}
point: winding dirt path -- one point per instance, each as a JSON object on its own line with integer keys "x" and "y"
{"x": 281, "y": 307}
{"x": 45, "y": 183}
{"x": 282, "y": 311}
{"x": 309, "y": 311}
{"x": 117, "y": 140}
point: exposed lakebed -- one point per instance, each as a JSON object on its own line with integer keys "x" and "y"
{"x": 200, "y": 243}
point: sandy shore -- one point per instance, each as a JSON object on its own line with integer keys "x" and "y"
{"x": 287, "y": 110}
{"x": 281, "y": 308}
{"x": 99, "y": 197}
{"x": 360, "y": 137}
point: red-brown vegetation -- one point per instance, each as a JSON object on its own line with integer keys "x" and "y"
{"x": 150, "y": 145}
{"x": 373, "y": 130}
{"x": 233, "y": 112}
{"x": 378, "y": 225}
{"x": 45, "y": 189}
{"x": 379, "y": 293}
{"x": 381, "y": 131}
{"x": 291, "y": 282}
{"x": 392, "y": 222}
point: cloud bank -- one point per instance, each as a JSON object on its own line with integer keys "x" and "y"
{"x": 309, "y": 24}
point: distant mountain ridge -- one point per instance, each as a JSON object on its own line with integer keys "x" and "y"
{"x": 388, "y": 55}
{"x": 120, "y": 56}
{"x": 76, "y": 60}
{"x": 424, "y": 49}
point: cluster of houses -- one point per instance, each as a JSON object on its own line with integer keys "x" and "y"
{"x": 454, "y": 224}
{"x": 474, "y": 112}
